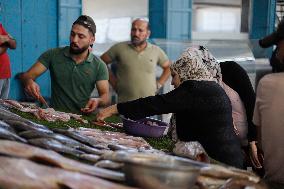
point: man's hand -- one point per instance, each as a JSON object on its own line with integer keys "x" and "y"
{"x": 32, "y": 88}
{"x": 91, "y": 105}
{"x": 107, "y": 112}
{"x": 28, "y": 78}
{"x": 280, "y": 52}
{"x": 7, "y": 41}
{"x": 158, "y": 87}
{"x": 4, "y": 39}
{"x": 254, "y": 155}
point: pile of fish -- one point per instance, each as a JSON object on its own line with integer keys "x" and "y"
{"x": 115, "y": 138}
{"x": 25, "y": 166}
{"x": 48, "y": 114}
{"x": 34, "y": 156}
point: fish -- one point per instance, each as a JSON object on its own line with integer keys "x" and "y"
{"x": 76, "y": 144}
{"x": 6, "y": 114}
{"x": 108, "y": 137}
{"x": 108, "y": 164}
{"x": 52, "y": 158}
{"x": 222, "y": 172}
{"x": 23, "y": 173}
{"x": 90, "y": 157}
{"x": 209, "y": 182}
{"x": 4, "y": 125}
{"x": 72, "y": 143}
{"x": 55, "y": 145}
{"x": 115, "y": 147}
{"x": 6, "y": 134}
{"x": 77, "y": 136}
{"x": 94, "y": 151}
{"x": 19, "y": 125}
{"x": 242, "y": 183}
{"x": 30, "y": 134}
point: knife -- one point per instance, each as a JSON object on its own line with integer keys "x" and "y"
{"x": 43, "y": 101}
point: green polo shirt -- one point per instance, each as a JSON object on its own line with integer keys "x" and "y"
{"x": 136, "y": 71}
{"x": 71, "y": 83}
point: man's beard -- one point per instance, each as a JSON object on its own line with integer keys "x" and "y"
{"x": 78, "y": 50}
{"x": 138, "y": 42}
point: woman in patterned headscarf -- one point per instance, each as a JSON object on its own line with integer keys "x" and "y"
{"x": 203, "y": 66}
{"x": 202, "y": 110}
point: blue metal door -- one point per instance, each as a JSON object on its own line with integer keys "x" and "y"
{"x": 69, "y": 11}
{"x": 33, "y": 24}
{"x": 262, "y": 24}
{"x": 170, "y": 19}
{"x": 179, "y": 19}
{"x": 158, "y": 18}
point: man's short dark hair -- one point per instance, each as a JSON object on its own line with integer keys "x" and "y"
{"x": 87, "y": 22}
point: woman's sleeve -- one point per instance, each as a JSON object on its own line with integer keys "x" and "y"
{"x": 171, "y": 102}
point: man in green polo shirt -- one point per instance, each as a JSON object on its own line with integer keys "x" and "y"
{"x": 74, "y": 72}
{"x": 136, "y": 64}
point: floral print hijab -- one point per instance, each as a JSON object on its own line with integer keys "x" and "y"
{"x": 195, "y": 63}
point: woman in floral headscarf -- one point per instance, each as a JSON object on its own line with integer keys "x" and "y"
{"x": 202, "y": 110}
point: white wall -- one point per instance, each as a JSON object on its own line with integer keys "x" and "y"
{"x": 113, "y": 19}
{"x": 216, "y": 19}
{"x": 101, "y": 9}
{"x": 219, "y": 2}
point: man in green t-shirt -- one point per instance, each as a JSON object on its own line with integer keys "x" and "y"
{"x": 136, "y": 64}
{"x": 74, "y": 72}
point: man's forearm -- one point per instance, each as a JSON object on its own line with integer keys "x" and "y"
{"x": 3, "y": 50}
{"x": 165, "y": 75}
{"x": 112, "y": 79}
{"x": 25, "y": 78}
{"x": 103, "y": 100}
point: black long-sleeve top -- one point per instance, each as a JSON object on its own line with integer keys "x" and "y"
{"x": 237, "y": 78}
{"x": 203, "y": 114}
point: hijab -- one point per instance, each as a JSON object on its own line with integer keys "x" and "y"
{"x": 197, "y": 63}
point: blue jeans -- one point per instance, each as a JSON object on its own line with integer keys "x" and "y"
{"x": 4, "y": 88}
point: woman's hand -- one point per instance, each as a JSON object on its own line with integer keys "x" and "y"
{"x": 107, "y": 112}
{"x": 254, "y": 155}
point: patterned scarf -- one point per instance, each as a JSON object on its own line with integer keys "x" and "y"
{"x": 195, "y": 63}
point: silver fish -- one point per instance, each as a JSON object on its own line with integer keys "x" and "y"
{"x": 72, "y": 143}
{"x": 23, "y": 173}
{"x": 6, "y": 134}
{"x": 30, "y": 134}
{"x": 50, "y": 157}
{"x": 108, "y": 164}
{"x": 49, "y": 143}
{"x": 77, "y": 136}
{"x": 116, "y": 147}
{"x": 6, "y": 114}
{"x": 19, "y": 125}
{"x": 4, "y": 125}
{"x": 90, "y": 157}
